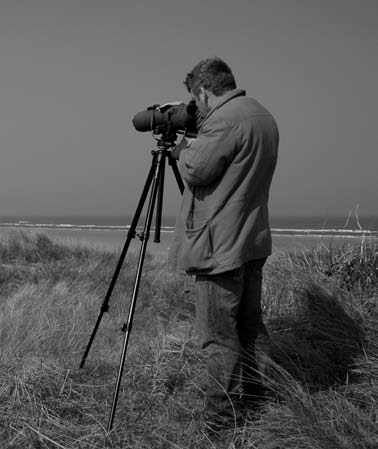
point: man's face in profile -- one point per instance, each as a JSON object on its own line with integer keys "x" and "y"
{"x": 202, "y": 101}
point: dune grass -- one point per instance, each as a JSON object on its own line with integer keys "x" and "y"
{"x": 320, "y": 307}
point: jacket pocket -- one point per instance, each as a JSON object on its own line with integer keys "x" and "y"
{"x": 197, "y": 248}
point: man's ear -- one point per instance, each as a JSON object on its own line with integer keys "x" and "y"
{"x": 204, "y": 95}
{"x": 202, "y": 91}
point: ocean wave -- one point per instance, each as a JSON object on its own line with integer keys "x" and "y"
{"x": 295, "y": 232}
{"x": 325, "y": 231}
{"x": 76, "y": 227}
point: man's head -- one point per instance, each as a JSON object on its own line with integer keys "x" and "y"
{"x": 209, "y": 79}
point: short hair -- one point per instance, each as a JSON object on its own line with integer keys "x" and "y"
{"x": 213, "y": 74}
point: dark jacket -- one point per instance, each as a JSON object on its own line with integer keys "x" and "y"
{"x": 228, "y": 169}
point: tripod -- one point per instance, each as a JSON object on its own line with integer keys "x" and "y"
{"x": 155, "y": 182}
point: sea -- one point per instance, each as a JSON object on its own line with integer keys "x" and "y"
{"x": 110, "y": 232}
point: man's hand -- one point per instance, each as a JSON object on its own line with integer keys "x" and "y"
{"x": 184, "y": 143}
{"x": 168, "y": 105}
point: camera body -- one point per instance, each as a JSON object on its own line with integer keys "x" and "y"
{"x": 169, "y": 119}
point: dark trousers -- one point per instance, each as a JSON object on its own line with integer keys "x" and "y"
{"x": 229, "y": 320}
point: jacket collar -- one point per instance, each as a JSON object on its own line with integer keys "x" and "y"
{"x": 229, "y": 96}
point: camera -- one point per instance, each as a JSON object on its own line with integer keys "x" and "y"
{"x": 169, "y": 119}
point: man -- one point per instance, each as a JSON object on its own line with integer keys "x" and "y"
{"x": 222, "y": 233}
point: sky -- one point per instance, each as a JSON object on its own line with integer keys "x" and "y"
{"x": 73, "y": 73}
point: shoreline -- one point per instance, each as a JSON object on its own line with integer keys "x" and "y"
{"x": 114, "y": 239}
{"x": 316, "y": 232}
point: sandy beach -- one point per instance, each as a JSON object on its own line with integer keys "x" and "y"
{"x": 113, "y": 240}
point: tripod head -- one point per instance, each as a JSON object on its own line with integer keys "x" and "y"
{"x": 168, "y": 138}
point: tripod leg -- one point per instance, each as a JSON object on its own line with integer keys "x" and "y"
{"x": 160, "y": 194}
{"x": 127, "y": 326}
{"x": 172, "y": 162}
{"x": 130, "y": 236}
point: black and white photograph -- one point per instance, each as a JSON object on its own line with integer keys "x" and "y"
{"x": 188, "y": 224}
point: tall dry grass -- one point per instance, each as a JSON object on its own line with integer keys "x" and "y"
{"x": 320, "y": 307}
